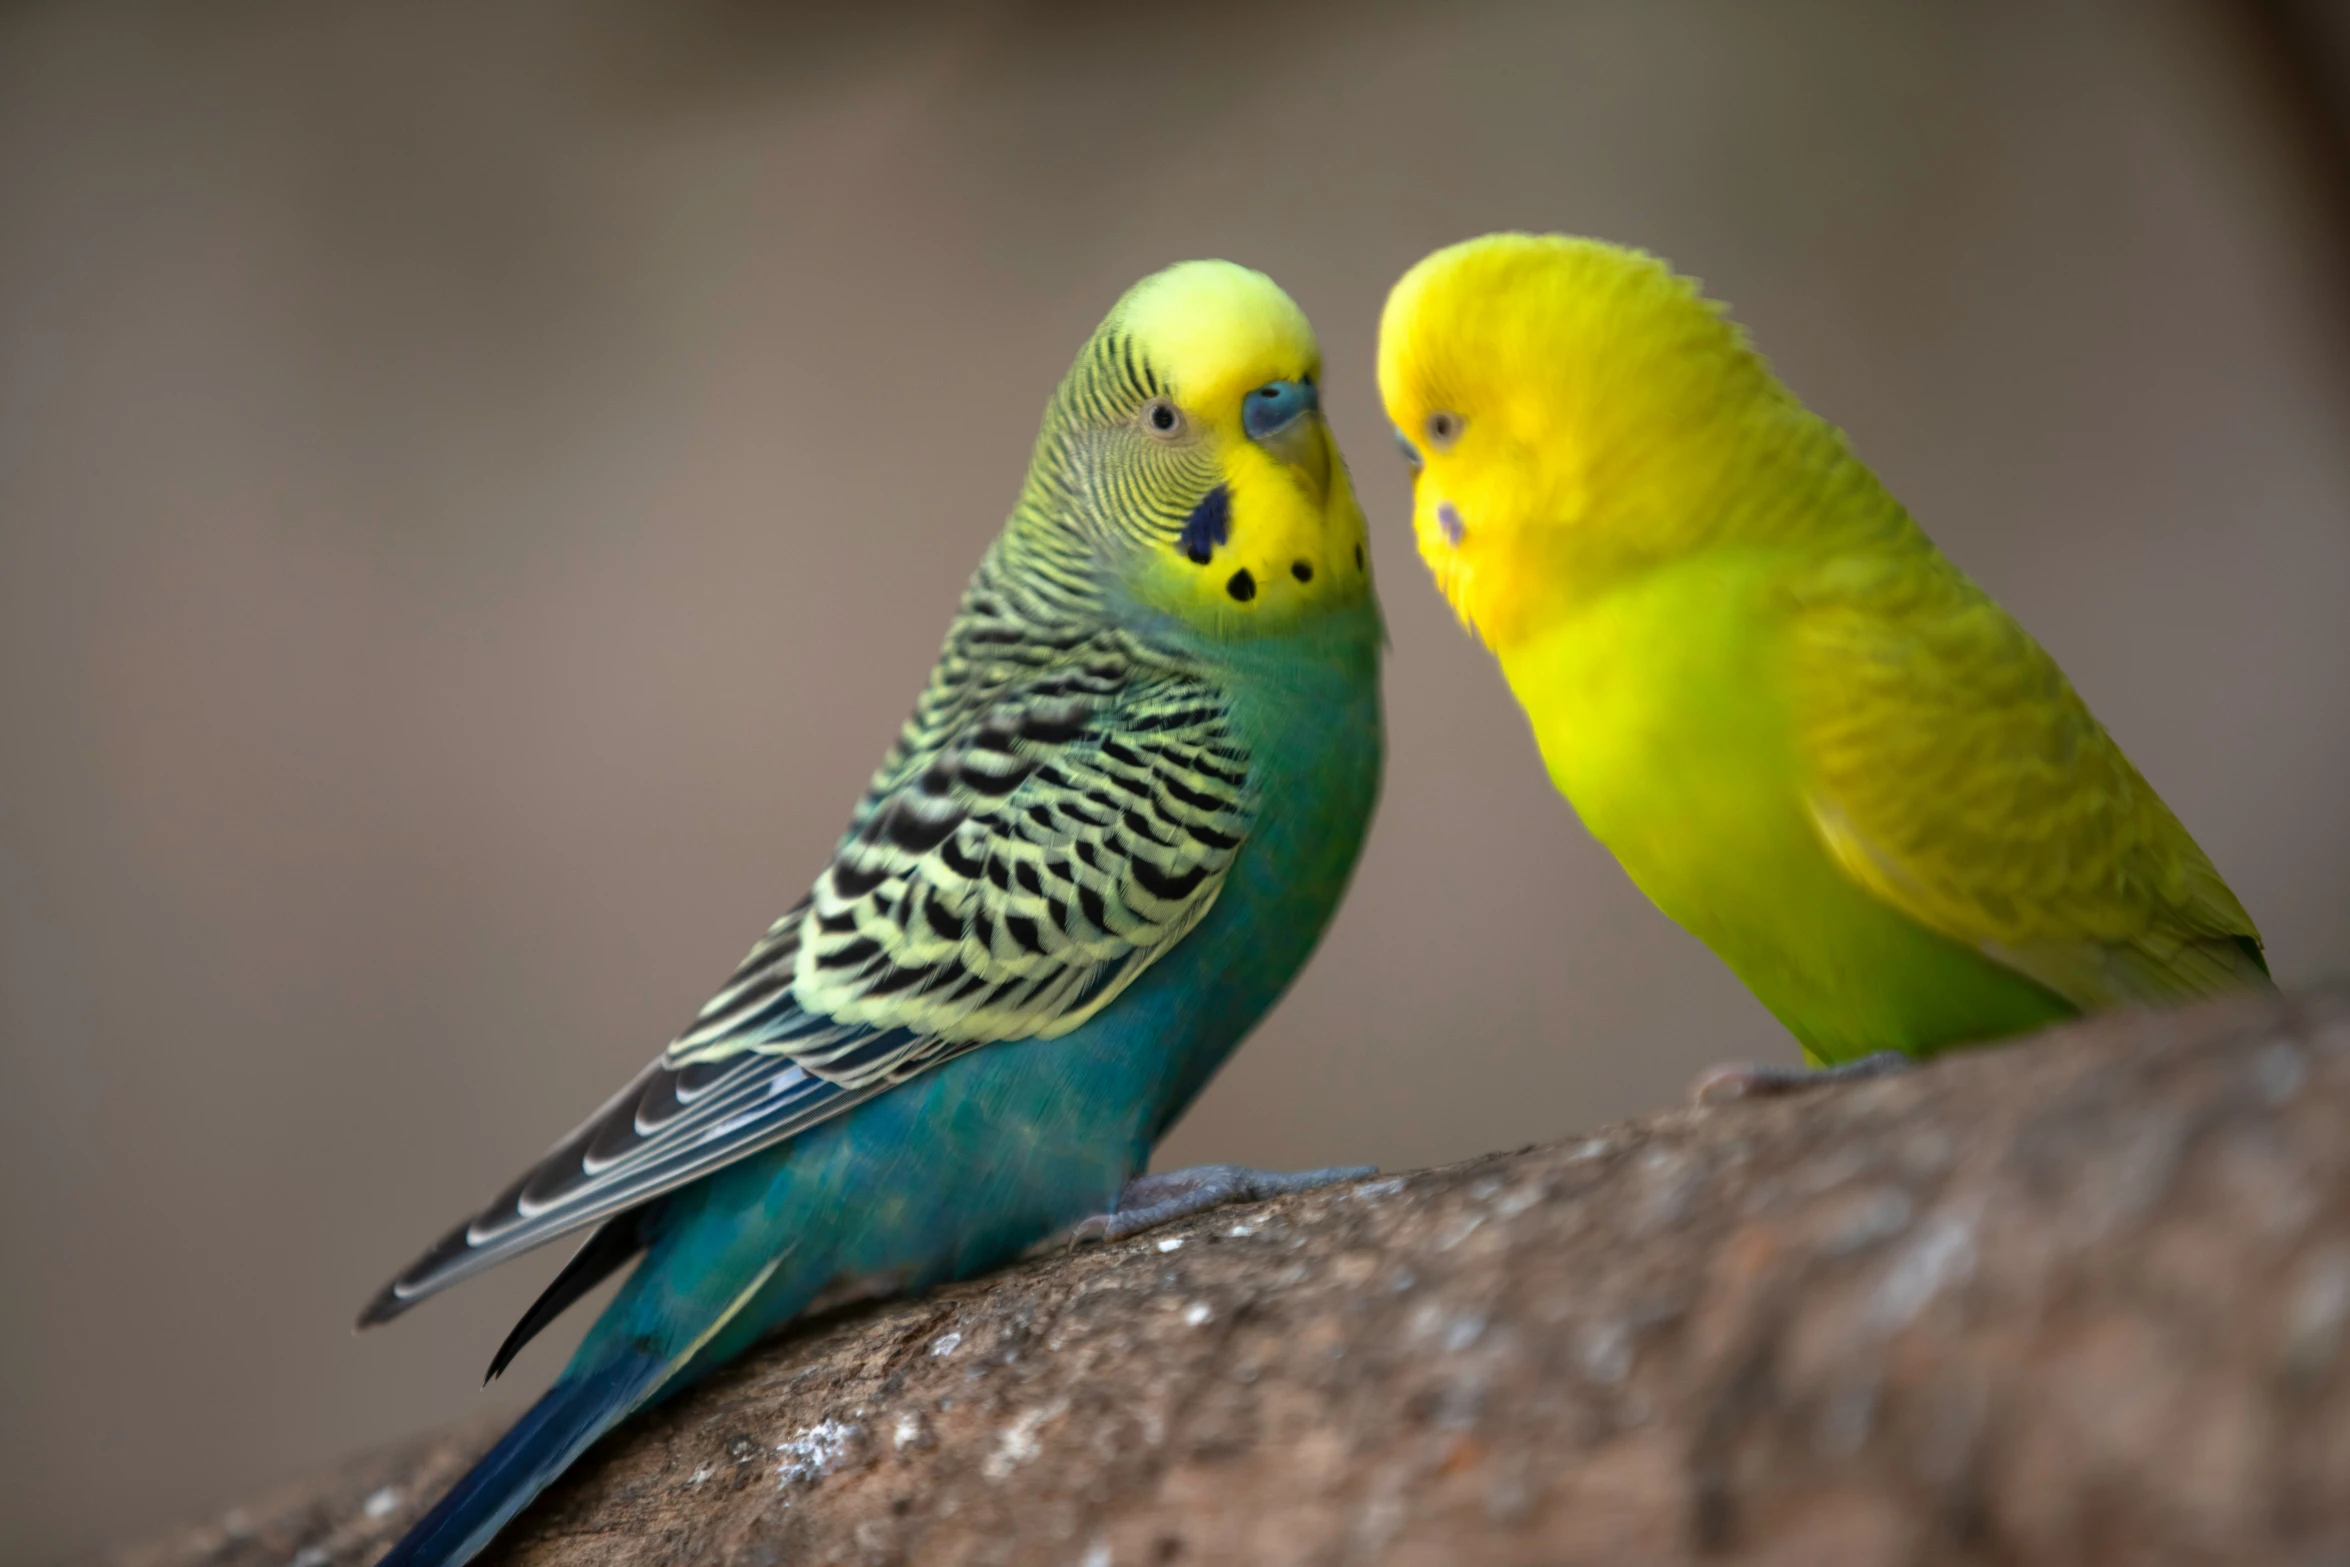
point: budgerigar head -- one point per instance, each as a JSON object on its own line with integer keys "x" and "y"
{"x": 1569, "y": 408}
{"x": 1185, "y": 462}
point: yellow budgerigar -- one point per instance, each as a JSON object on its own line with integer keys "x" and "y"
{"x": 1803, "y": 732}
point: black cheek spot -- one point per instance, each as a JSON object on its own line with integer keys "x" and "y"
{"x": 1303, "y": 570}
{"x": 1242, "y": 586}
{"x": 1209, "y": 525}
{"x": 1358, "y": 557}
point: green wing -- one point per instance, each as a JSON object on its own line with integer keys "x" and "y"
{"x": 1956, "y": 774}
{"x": 1032, "y": 845}
{"x": 1057, "y": 814}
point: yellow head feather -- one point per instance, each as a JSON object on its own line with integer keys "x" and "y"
{"x": 1216, "y": 331}
{"x": 1579, "y": 410}
{"x": 1210, "y": 335}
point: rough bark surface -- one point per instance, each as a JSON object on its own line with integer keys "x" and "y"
{"x": 2079, "y": 1301}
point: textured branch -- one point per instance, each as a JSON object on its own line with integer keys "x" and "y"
{"x": 2082, "y": 1301}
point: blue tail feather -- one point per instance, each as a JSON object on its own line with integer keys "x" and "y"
{"x": 560, "y": 1426}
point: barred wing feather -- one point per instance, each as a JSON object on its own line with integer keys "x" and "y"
{"x": 1036, "y": 840}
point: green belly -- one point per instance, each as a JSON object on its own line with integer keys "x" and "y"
{"x": 1662, "y": 718}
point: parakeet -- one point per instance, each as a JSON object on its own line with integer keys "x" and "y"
{"x": 1800, "y": 729}
{"x": 1123, "y": 811}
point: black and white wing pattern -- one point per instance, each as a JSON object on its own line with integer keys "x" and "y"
{"x": 1017, "y": 877}
{"x": 1042, "y": 832}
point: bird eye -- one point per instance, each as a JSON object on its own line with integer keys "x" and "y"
{"x": 1411, "y": 453}
{"x": 1162, "y": 418}
{"x": 1443, "y": 429}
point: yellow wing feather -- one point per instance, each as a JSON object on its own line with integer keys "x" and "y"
{"x": 1957, "y": 775}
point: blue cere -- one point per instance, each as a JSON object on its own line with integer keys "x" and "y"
{"x": 1276, "y": 406}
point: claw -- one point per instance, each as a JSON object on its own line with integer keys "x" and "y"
{"x": 1152, "y": 1200}
{"x": 1742, "y": 1080}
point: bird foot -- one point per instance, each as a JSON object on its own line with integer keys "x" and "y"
{"x": 1737, "y": 1080}
{"x": 1152, "y": 1200}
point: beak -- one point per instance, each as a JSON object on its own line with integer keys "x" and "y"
{"x": 1285, "y": 418}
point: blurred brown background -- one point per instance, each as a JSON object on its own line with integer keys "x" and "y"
{"x": 479, "y": 485}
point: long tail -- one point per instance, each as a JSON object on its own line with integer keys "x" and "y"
{"x": 560, "y": 1426}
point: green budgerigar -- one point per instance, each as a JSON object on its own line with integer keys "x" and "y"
{"x": 1115, "y": 827}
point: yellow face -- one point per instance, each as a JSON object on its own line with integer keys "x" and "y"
{"x": 1539, "y": 385}
{"x": 1202, "y": 418}
{"x": 1467, "y": 415}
